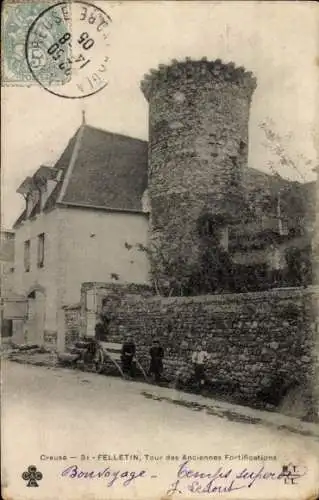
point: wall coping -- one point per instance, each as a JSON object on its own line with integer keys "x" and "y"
{"x": 69, "y": 307}
{"x": 260, "y": 296}
{"x": 263, "y": 296}
{"x": 122, "y": 286}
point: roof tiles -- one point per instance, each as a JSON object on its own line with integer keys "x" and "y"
{"x": 109, "y": 171}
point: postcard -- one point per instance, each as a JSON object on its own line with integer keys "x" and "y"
{"x": 159, "y": 250}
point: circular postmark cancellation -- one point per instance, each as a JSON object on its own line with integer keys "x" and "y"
{"x": 67, "y": 49}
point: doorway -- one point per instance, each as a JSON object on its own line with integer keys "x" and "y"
{"x": 34, "y": 333}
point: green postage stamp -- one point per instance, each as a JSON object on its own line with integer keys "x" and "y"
{"x": 17, "y": 19}
{"x": 61, "y": 46}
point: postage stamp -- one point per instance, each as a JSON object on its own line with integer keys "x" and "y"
{"x": 16, "y": 21}
{"x": 66, "y": 49}
{"x": 61, "y": 46}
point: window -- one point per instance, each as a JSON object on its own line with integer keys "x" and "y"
{"x": 235, "y": 172}
{"x": 40, "y": 257}
{"x": 208, "y": 225}
{"x": 27, "y": 256}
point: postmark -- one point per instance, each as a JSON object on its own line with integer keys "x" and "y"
{"x": 17, "y": 18}
{"x": 73, "y": 63}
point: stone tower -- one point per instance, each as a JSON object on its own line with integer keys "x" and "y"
{"x": 198, "y": 147}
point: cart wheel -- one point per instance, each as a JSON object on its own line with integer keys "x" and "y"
{"x": 98, "y": 361}
{"x": 94, "y": 363}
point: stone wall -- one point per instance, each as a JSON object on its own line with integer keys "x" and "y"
{"x": 259, "y": 343}
{"x": 98, "y": 297}
{"x": 50, "y": 339}
{"x": 73, "y": 321}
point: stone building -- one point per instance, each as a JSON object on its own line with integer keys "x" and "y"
{"x": 202, "y": 193}
{"x": 6, "y": 261}
{"x": 6, "y": 280}
{"x": 82, "y": 221}
{"x": 198, "y": 123}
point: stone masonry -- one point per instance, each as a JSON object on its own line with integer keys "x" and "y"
{"x": 198, "y": 146}
{"x": 257, "y": 341}
{"x": 50, "y": 339}
{"x": 72, "y": 315}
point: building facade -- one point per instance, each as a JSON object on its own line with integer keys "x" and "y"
{"x": 72, "y": 231}
{"x": 6, "y": 280}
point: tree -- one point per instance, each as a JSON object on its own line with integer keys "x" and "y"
{"x": 289, "y": 199}
{"x": 275, "y": 144}
{"x": 291, "y": 202}
{"x": 170, "y": 268}
{"x": 191, "y": 264}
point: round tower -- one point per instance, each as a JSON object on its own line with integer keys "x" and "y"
{"x": 198, "y": 147}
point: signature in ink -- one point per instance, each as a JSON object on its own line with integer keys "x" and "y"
{"x": 226, "y": 480}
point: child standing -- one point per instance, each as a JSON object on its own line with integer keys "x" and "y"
{"x": 199, "y": 360}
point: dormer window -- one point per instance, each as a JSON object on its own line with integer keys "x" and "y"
{"x": 59, "y": 175}
{"x": 31, "y": 200}
{"x": 48, "y": 177}
{"x": 29, "y": 204}
{"x": 37, "y": 189}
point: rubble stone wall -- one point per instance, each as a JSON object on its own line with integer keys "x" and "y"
{"x": 256, "y": 341}
{"x": 50, "y": 339}
{"x": 72, "y": 324}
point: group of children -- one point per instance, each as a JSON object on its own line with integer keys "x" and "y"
{"x": 156, "y": 353}
{"x": 128, "y": 356}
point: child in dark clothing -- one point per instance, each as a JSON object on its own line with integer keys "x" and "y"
{"x": 99, "y": 331}
{"x": 156, "y": 363}
{"x": 128, "y": 356}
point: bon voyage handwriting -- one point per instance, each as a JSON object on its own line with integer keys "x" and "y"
{"x": 112, "y": 476}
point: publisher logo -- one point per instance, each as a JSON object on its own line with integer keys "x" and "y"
{"x": 32, "y": 476}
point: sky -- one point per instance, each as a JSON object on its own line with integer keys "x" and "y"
{"x": 278, "y": 41}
